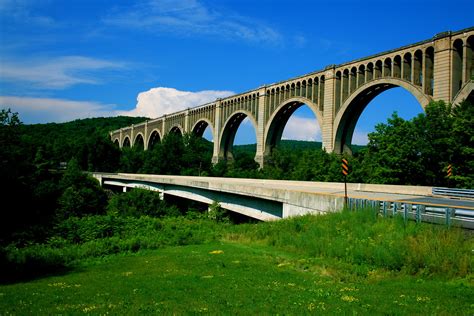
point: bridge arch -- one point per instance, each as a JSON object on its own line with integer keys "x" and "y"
{"x": 116, "y": 142}
{"x": 177, "y": 129}
{"x": 348, "y": 115}
{"x": 154, "y": 138}
{"x": 466, "y": 93}
{"x": 201, "y": 125}
{"x": 139, "y": 140}
{"x": 126, "y": 142}
{"x": 279, "y": 118}
{"x": 229, "y": 130}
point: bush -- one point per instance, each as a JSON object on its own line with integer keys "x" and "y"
{"x": 96, "y": 236}
{"x": 140, "y": 202}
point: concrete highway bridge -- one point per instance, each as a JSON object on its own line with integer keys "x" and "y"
{"x": 274, "y": 199}
{"x": 439, "y": 68}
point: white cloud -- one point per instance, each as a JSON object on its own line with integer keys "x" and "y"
{"x": 159, "y": 101}
{"x": 187, "y": 17}
{"x": 55, "y": 73}
{"x": 360, "y": 137}
{"x": 302, "y": 128}
{"x": 152, "y": 103}
{"x": 45, "y": 110}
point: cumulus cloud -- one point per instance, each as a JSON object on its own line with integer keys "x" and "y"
{"x": 302, "y": 128}
{"x": 160, "y": 101}
{"x": 152, "y": 103}
{"x": 45, "y": 110}
{"x": 56, "y": 73}
{"x": 187, "y": 17}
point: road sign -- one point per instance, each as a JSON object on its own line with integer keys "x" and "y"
{"x": 345, "y": 167}
{"x": 449, "y": 171}
{"x": 345, "y": 172}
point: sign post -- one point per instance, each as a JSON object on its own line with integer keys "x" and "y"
{"x": 345, "y": 172}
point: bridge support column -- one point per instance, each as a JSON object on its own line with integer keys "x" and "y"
{"x": 163, "y": 127}
{"x": 260, "y": 154}
{"x": 145, "y": 137}
{"x": 217, "y": 132}
{"x": 327, "y": 130}
{"x": 186, "y": 122}
{"x": 442, "y": 68}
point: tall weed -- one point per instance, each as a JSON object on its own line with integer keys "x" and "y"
{"x": 364, "y": 238}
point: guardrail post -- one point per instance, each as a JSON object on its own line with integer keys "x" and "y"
{"x": 449, "y": 214}
{"x": 418, "y": 213}
{"x": 406, "y": 206}
{"x": 394, "y": 209}
{"x": 384, "y": 208}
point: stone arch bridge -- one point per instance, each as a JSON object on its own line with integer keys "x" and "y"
{"x": 440, "y": 68}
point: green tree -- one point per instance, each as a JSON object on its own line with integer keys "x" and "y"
{"x": 140, "y": 202}
{"x": 197, "y": 155}
{"x": 395, "y": 153}
{"x": 463, "y": 147}
{"x": 82, "y": 194}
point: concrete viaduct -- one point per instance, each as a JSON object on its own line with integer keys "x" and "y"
{"x": 268, "y": 200}
{"x": 440, "y": 68}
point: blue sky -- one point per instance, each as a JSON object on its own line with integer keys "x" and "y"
{"x": 62, "y": 60}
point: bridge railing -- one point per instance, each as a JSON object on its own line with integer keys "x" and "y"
{"x": 450, "y": 192}
{"x": 448, "y": 216}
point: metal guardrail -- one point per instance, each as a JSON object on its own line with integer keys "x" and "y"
{"x": 450, "y": 192}
{"x": 459, "y": 217}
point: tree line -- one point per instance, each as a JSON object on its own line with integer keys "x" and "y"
{"x": 36, "y": 194}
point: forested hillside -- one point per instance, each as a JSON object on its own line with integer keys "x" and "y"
{"x": 86, "y": 140}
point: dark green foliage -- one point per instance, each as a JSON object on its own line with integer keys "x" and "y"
{"x": 99, "y": 235}
{"x": 418, "y": 151}
{"x": 87, "y": 140}
{"x": 185, "y": 155}
{"x": 82, "y": 195}
{"x": 306, "y": 165}
{"x": 140, "y": 202}
{"x": 27, "y": 192}
{"x": 217, "y": 213}
{"x": 463, "y": 151}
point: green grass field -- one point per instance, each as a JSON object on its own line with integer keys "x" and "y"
{"x": 266, "y": 268}
{"x": 231, "y": 278}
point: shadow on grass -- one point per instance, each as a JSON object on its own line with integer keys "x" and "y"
{"x": 32, "y": 269}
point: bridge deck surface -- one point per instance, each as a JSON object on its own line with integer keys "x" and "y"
{"x": 270, "y": 188}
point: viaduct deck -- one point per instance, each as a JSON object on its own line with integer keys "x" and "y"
{"x": 275, "y": 199}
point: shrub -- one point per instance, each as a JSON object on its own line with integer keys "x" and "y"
{"x": 140, "y": 202}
